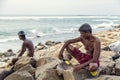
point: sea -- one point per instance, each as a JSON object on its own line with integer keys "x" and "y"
{"x": 45, "y": 28}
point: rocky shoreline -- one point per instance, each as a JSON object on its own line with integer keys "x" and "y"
{"x": 49, "y": 67}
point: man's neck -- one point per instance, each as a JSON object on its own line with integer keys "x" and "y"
{"x": 24, "y": 39}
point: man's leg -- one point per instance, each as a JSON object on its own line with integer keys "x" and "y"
{"x": 70, "y": 48}
{"x": 14, "y": 60}
{"x": 4, "y": 74}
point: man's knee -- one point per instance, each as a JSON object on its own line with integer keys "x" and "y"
{"x": 14, "y": 60}
{"x": 69, "y": 48}
{"x": 93, "y": 66}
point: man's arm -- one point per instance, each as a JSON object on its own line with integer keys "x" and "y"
{"x": 66, "y": 44}
{"x": 96, "y": 54}
{"x": 22, "y": 50}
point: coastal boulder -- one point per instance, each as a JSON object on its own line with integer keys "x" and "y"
{"x": 40, "y": 46}
{"x": 9, "y": 53}
{"x": 23, "y": 61}
{"x": 47, "y": 60}
{"x": 106, "y": 64}
{"x": 51, "y": 43}
{"x": 68, "y": 74}
{"x": 48, "y": 74}
{"x": 28, "y": 68}
{"x": 105, "y": 77}
{"x": 45, "y": 69}
{"x": 20, "y": 75}
{"x": 52, "y": 51}
{"x": 65, "y": 70}
{"x": 117, "y": 68}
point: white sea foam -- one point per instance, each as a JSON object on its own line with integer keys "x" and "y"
{"x": 106, "y": 20}
{"x": 9, "y": 39}
{"x": 56, "y": 17}
{"x": 102, "y": 25}
{"x": 37, "y": 33}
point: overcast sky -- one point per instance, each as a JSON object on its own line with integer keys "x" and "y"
{"x": 59, "y": 7}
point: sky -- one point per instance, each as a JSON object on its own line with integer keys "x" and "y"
{"x": 59, "y": 7}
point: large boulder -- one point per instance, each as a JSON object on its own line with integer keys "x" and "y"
{"x": 68, "y": 74}
{"x": 20, "y": 75}
{"x": 105, "y": 77}
{"x": 117, "y": 68}
{"x": 28, "y": 68}
{"x": 1, "y": 70}
{"x": 45, "y": 69}
{"x": 106, "y": 64}
{"x": 47, "y": 60}
{"x": 65, "y": 70}
{"x": 52, "y": 51}
{"x": 48, "y": 74}
{"x": 23, "y": 61}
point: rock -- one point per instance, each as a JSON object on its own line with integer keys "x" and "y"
{"x": 24, "y": 61}
{"x": 28, "y": 68}
{"x": 51, "y": 43}
{"x": 105, "y": 77}
{"x": 40, "y": 46}
{"x": 22, "y": 75}
{"x": 4, "y": 59}
{"x": 48, "y": 74}
{"x": 106, "y": 66}
{"x": 46, "y": 60}
{"x": 68, "y": 74}
{"x": 43, "y": 72}
{"x": 3, "y": 64}
{"x": 43, "y": 65}
{"x": 106, "y": 48}
{"x": 116, "y": 26}
{"x": 117, "y": 68}
{"x": 52, "y": 51}
{"x": 82, "y": 74}
{"x": 9, "y": 53}
{"x": 66, "y": 71}
{"x": 1, "y": 70}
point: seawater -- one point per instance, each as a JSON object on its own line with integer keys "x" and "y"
{"x": 56, "y": 28}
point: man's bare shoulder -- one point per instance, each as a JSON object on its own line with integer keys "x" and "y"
{"x": 96, "y": 39}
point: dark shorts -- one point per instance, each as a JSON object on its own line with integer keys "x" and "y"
{"x": 82, "y": 57}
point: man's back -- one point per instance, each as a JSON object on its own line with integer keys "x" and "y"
{"x": 29, "y": 45}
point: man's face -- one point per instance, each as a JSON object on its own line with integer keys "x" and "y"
{"x": 20, "y": 37}
{"x": 83, "y": 34}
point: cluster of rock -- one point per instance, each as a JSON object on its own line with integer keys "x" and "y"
{"x": 47, "y": 66}
{"x": 6, "y": 56}
{"x": 41, "y": 46}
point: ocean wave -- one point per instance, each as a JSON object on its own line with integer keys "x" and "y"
{"x": 8, "y": 39}
{"x": 56, "y": 17}
{"x": 106, "y": 20}
{"x": 67, "y": 30}
{"x": 102, "y": 25}
{"x": 35, "y": 32}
